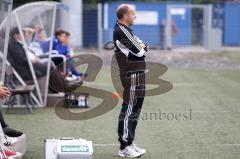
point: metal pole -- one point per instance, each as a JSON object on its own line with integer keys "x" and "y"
{"x": 81, "y": 23}
{"x": 168, "y": 32}
{"x": 50, "y": 55}
{"x": 207, "y": 26}
{"x": 5, "y": 51}
{"x": 28, "y": 58}
{"x": 1, "y": 11}
{"x": 100, "y": 29}
{"x": 76, "y": 27}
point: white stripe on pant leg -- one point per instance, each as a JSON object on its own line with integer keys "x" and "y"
{"x": 125, "y": 120}
{"x": 138, "y": 77}
{"x": 130, "y": 105}
{"x": 132, "y": 101}
{"x": 125, "y": 134}
{"x": 133, "y": 95}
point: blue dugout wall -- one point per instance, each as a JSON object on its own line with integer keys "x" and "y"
{"x": 150, "y": 32}
{"x": 90, "y": 31}
{"x": 231, "y": 29}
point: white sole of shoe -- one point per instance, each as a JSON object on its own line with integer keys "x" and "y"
{"x": 124, "y": 156}
{"x": 142, "y": 152}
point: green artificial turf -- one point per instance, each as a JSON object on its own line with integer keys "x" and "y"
{"x": 212, "y": 131}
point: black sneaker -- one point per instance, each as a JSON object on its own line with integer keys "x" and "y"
{"x": 11, "y": 132}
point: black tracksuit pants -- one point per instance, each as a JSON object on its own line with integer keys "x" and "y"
{"x": 133, "y": 97}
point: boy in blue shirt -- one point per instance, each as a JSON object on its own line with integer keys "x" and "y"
{"x": 61, "y": 45}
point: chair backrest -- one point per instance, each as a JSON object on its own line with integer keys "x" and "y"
{"x": 9, "y": 71}
{"x": 9, "y": 77}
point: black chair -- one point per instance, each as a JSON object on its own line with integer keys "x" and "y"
{"x": 23, "y": 91}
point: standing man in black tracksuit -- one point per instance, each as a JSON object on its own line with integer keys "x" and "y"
{"x": 130, "y": 54}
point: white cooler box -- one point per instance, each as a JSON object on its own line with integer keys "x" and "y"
{"x": 68, "y": 148}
